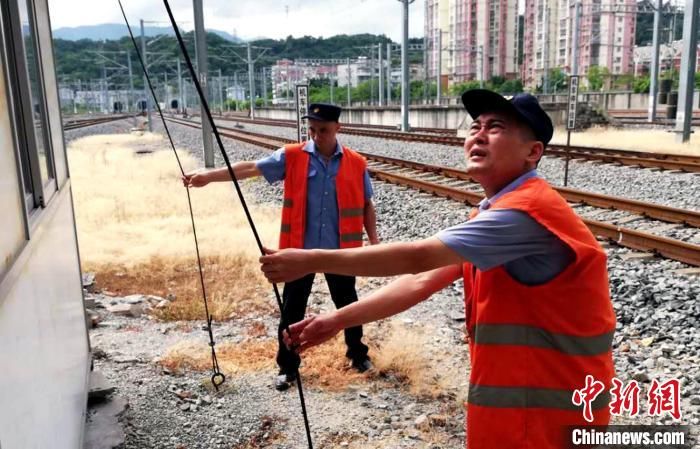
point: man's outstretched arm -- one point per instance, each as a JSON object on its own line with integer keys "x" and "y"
{"x": 380, "y": 260}
{"x": 242, "y": 170}
{"x": 391, "y": 299}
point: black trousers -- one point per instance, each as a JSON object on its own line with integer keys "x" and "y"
{"x": 295, "y": 297}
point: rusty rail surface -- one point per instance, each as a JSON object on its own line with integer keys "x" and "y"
{"x": 606, "y": 155}
{"x": 82, "y": 123}
{"x": 669, "y": 248}
{"x": 293, "y": 124}
{"x": 650, "y": 210}
{"x": 666, "y": 247}
{"x": 447, "y": 137}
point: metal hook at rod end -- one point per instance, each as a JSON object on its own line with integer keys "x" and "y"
{"x": 218, "y": 379}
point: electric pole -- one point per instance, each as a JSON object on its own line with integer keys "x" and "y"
{"x": 388, "y": 73}
{"x": 405, "y": 93}
{"x": 146, "y": 95}
{"x": 251, "y": 83}
{"x": 684, "y": 113}
{"x": 200, "y": 44}
{"x": 438, "y": 77}
{"x": 381, "y": 75}
{"x": 349, "y": 95}
{"x": 654, "y": 75}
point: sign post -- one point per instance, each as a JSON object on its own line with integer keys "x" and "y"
{"x": 302, "y": 103}
{"x": 570, "y": 120}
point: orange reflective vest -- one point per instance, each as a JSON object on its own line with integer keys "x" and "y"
{"x": 532, "y": 346}
{"x": 349, "y": 187}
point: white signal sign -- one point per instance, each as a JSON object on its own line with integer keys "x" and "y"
{"x": 302, "y": 94}
{"x": 573, "y": 102}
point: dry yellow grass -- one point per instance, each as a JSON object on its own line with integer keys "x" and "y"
{"x": 256, "y": 329}
{"x": 650, "y": 140}
{"x": 324, "y": 366}
{"x": 230, "y": 292}
{"x": 400, "y": 355}
{"x": 133, "y": 223}
{"x": 234, "y": 359}
{"x": 404, "y": 353}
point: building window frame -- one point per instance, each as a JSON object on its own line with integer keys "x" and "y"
{"x": 27, "y": 107}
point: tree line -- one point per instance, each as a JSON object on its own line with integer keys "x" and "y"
{"x": 79, "y": 60}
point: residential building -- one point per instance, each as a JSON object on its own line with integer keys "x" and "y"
{"x": 605, "y": 37}
{"x": 286, "y": 74}
{"x": 479, "y": 38}
{"x": 669, "y": 57}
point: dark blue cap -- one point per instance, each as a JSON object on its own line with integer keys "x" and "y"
{"x": 524, "y": 107}
{"x": 323, "y": 112}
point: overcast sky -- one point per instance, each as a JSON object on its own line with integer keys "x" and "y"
{"x": 253, "y": 18}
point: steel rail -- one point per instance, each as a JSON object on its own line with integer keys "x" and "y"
{"x": 292, "y": 124}
{"x": 606, "y": 155}
{"x": 649, "y": 210}
{"x": 82, "y": 123}
{"x": 667, "y": 247}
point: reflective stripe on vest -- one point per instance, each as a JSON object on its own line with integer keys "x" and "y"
{"x": 513, "y": 334}
{"x": 356, "y": 212}
{"x": 286, "y": 227}
{"x": 349, "y": 191}
{"x": 523, "y": 397}
{"x": 351, "y": 237}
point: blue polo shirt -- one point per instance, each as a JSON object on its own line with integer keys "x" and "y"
{"x": 528, "y": 251}
{"x": 322, "y": 215}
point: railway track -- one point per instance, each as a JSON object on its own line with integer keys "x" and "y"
{"x": 456, "y": 185}
{"x": 640, "y": 117}
{"x": 642, "y": 112}
{"x": 293, "y": 124}
{"x": 82, "y": 123}
{"x": 604, "y": 155}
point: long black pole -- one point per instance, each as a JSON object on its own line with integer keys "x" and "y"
{"x": 200, "y": 92}
{"x": 217, "y": 378}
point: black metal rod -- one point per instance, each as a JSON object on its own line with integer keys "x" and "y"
{"x": 205, "y": 105}
{"x": 217, "y": 377}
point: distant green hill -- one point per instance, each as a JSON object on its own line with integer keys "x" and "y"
{"x": 111, "y": 31}
{"x": 78, "y": 60}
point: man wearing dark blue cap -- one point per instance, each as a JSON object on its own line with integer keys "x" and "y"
{"x": 323, "y": 112}
{"x": 327, "y": 202}
{"x": 538, "y": 311}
